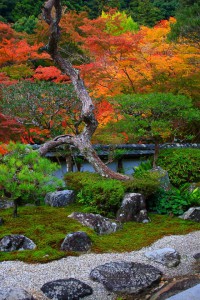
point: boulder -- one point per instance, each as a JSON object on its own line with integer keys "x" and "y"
{"x": 6, "y": 204}
{"x": 77, "y": 241}
{"x": 96, "y": 222}
{"x": 66, "y": 289}
{"x": 163, "y": 178}
{"x": 126, "y": 277}
{"x": 166, "y": 256}
{"x": 133, "y": 208}
{"x": 192, "y": 213}
{"x": 59, "y": 198}
{"x": 9, "y": 293}
{"x": 1, "y": 221}
{"x": 16, "y": 242}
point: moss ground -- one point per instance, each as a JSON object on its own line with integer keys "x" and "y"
{"x": 48, "y": 226}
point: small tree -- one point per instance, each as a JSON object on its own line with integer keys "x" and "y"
{"x": 25, "y": 176}
{"x": 157, "y": 117}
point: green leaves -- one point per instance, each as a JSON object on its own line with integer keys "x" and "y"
{"x": 24, "y": 174}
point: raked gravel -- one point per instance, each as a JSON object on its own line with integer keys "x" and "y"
{"x": 31, "y": 277}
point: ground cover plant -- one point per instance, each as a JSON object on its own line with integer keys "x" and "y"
{"x": 48, "y": 226}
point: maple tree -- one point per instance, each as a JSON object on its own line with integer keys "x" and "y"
{"x": 138, "y": 62}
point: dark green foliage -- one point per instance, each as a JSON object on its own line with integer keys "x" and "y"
{"x": 169, "y": 202}
{"x": 167, "y": 8}
{"x": 146, "y": 183}
{"x": 188, "y": 21}
{"x": 144, "y": 12}
{"x": 183, "y": 165}
{"x": 26, "y": 24}
{"x": 26, "y": 8}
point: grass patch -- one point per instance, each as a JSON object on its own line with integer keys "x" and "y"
{"x": 48, "y": 226}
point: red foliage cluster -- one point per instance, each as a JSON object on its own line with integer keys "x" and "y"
{"x": 50, "y": 74}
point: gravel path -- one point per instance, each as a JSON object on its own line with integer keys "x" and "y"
{"x": 32, "y": 276}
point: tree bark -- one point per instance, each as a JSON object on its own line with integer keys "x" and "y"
{"x": 81, "y": 141}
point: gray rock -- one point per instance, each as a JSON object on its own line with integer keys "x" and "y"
{"x": 163, "y": 178}
{"x": 14, "y": 294}
{"x": 166, "y": 256}
{"x": 15, "y": 242}
{"x": 126, "y": 277}
{"x": 96, "y": 222}
{"x": 6, "y": 204}
{"x": 1, "y": 221}
{"x": 60, "y": 198}
{"x": 66, "y": 289}
{"x": 133, "y": 208}
{"x": 189, "y": 294}
{"x": 192, "y": 213}
{"x": 77, "y": 241}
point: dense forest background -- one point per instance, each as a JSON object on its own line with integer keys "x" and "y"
{"x": 145, "y": 12}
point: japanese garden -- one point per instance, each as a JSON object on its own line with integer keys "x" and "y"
{"x": 99, "y": 149}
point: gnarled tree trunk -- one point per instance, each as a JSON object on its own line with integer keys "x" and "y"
{"x": 82, "y": 141}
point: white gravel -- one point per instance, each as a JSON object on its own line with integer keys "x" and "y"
{"x": 31, "y": 277}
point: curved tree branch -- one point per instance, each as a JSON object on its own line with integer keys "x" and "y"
{"x": 82, "y": 140}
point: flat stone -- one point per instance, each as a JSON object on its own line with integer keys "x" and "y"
{"x": 166, "y": 256}
{"x": 66, "y": 289}
{"x": 96, "y": 222}
{"x": 190, "y": 294}
{"x": 126, "y": 277}
{"x": 77, "y": 241}
{"x": 9, "y": 293}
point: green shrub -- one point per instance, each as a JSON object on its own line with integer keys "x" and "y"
{"x": 169, "y": 202}
{"x": 97, "y": 194}
{"x": 183, "y": 165}
{"x": 146, "y": 183}
{"x": 103, "y": 197}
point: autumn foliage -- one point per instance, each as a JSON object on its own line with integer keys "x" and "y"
{"x": 115, "y": 57}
